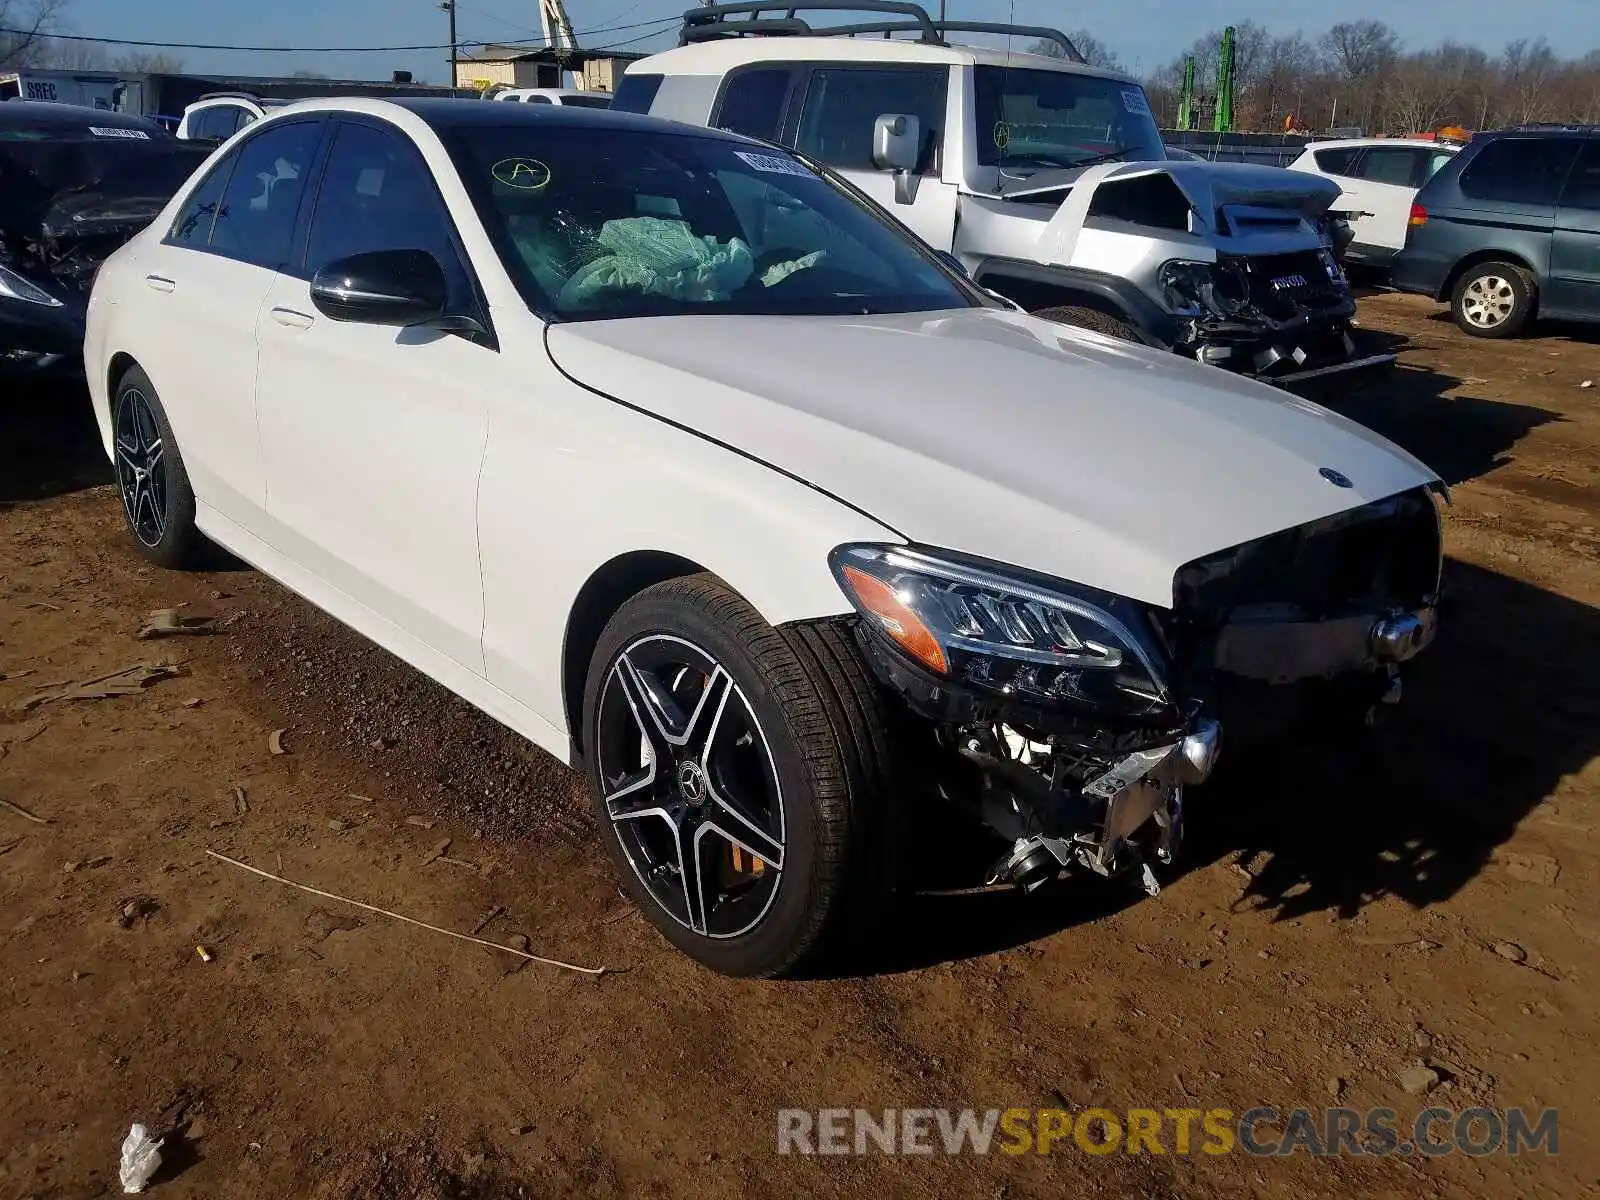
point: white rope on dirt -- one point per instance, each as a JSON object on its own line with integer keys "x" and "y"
{"x": 465, "y": 937}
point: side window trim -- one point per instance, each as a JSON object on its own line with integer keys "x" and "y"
{"x": 791, "y": 94}
{"x": 806, "y": 75}
{"x": 297, "y": 267}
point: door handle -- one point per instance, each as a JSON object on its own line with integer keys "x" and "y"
{"x": 159, "y": 283}
{"x": 293, "y": 318}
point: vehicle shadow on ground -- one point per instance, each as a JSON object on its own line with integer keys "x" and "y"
{"x": 1503, "y": 705}
{"x": 1460, "y": 437}
{"x": 49, "y": 443}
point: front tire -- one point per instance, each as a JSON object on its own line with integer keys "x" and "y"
{"x": 1094, "y": 319}
{"x": 1493, "y": 300}
{"x": 157, "y": 501}
{"x": 738, "y": 775}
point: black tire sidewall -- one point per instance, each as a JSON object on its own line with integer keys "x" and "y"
{"x": 1093, "y": 320}
{"x": 791, "y": 924}
{"x": 1521, "y": 313}
{"x": 179, "y": 536}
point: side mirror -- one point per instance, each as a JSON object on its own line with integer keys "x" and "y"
{"x": 896, "y": 141}
{"x": 382, "y": 287}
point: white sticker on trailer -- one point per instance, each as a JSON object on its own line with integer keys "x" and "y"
{"x": 106, "y": 131}
{"x": 774, "y": 164}
{"x": 1133, "y": 100}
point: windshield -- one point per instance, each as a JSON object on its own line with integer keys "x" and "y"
{"x": 1039, "y": 119}
{"x": 595, "y": 222}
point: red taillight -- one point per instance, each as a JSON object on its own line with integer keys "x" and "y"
{"x": 1419, "y": 216}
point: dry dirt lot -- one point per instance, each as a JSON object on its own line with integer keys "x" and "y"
{"x": 1335, "y": 924}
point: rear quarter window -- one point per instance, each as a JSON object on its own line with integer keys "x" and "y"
{"x": 636, "y": 93}
{"x": 1336, "y": 162}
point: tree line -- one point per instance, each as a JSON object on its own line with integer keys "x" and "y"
{"x": 1359, "y": 73}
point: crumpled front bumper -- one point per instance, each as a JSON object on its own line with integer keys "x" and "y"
{"x": 1313, "y": 342}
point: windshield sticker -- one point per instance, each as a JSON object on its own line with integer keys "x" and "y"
{"x": 1133, "y": 100}
{"x": 774, "y": 164}
{"x": 1002, "y": 135}
{"x": 524, "y": 174}
{"x": 104, "y": 131}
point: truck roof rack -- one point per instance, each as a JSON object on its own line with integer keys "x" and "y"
{"x": 715, "y": 22}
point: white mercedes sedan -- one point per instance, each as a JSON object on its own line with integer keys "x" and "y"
{"x": 679, "y": 457}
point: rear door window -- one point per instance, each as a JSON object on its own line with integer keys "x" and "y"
{"x": 753, "y": 102}
{"x": 255, "y": 222}
{"x": 1583, "y": 188}
{"x": 1515, "y": 170}
{"x": 1397, "y": 165}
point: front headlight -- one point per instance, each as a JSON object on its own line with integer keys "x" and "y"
{"x": 1193, "y": 289}
{"x": 15, "y": 287}
{"x": 1037, "y": 640}
{"x": 1330, "y": 264}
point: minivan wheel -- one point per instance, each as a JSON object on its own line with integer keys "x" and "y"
{"x": 157, "y": 502}
{"x": 735, "y": 770}
{"x": 1493, "y": 300}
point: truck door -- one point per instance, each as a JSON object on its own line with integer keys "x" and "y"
{"x": 835, "y": 114}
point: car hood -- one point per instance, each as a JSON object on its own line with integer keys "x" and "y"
{"x": 1207, "y": 186}
{"x": 1000, "y": 434}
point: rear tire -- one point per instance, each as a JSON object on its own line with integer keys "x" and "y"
{"x": 1093, "y": 319}
{"x": 1493, "y": 300}
{"x": 157, "y": 501}
{"x": 741, "y": 807}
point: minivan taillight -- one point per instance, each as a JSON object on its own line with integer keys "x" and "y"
{"x": 1419, "y": 216}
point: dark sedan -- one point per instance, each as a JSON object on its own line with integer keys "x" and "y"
{"x": 75, "y": 184}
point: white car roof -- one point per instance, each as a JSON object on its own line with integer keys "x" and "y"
{"x": 717, "y": 58}
{"x": 1346, "y": 143}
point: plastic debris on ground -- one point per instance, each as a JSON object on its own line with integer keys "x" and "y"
{"x": 141, "y": 1157}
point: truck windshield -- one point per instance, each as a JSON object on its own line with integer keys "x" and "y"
{"x": 1034, "y": 120}
{"x": 595, "y": 222}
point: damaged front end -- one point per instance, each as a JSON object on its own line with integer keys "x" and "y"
{"x": 1070, "y": 721}
{"x": 1233, "y": 265}
{"x": 65, "y": 207}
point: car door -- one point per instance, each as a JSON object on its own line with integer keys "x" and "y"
{"x": 1508, "y": 196}
{"x": 1575, "y": 250}
{"x": 371, "y": 435}
{"x": 204, "y": 285}
{"x": 834, "y": 126}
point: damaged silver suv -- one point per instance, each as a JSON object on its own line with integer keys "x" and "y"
{"x": 1045, "y": 178}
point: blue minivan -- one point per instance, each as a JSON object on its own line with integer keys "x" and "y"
{"x": 1510, "y": 229}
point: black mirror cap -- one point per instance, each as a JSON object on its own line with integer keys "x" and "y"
{"x": 382, "y": 287}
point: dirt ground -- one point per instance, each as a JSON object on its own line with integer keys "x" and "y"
{"x": 1345, "y": 912}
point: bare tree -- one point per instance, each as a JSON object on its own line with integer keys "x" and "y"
{"x": 1525, "y": 70}
{"x": 33, "y": 20}
{"x": 1095, "y": 52}
{"x": 1361, "y": 49}
{"x": 154, "y": 64}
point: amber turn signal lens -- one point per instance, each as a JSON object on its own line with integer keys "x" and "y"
{"x": 899, "y": 622}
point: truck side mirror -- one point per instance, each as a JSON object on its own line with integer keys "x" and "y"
{"x": 896, "y": 146}
{"x": 896, "y": 139}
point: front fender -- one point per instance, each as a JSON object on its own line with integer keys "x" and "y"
{"x": 629, "y": 482}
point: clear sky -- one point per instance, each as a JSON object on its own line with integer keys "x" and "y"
{"x": 1144, "y": 33}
